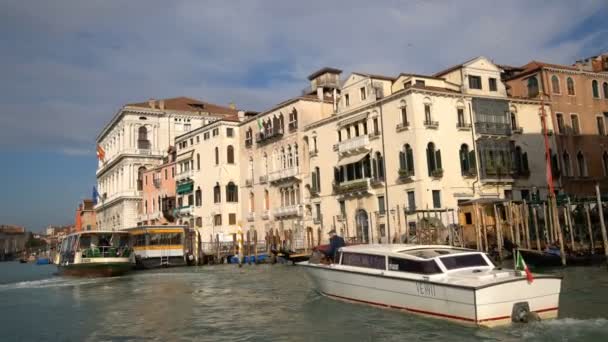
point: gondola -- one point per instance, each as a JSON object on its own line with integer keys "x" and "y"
{"x": 544, "y": 259}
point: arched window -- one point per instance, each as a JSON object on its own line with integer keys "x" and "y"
{"x": 570, "y": 86}
{"x": 231, "y": 193}
{"x": 140, "y": 178}
{"x": 532, "y": 87}
{"x": 198, "y": 197}
{"x": 217, "y": 156}
{"x": 266, "y": 200}
{"x": 605, "y": 90}
{"x": 464, "y": 159}
{"x": 281, "y": 123}
{"x": 198, "y": 161}
{"x": 582, "y": 165}
{"x": 230, "y": 154}
{"x": 406, "y": 160}
{"x": 217, "y": 193}
{"x": 380, "y": 166}
{"x": 250, "y": 168}
{"x": 142, "y": 138}
{"x": 251, "y": 202}
{"x": 289, "y": 157}
{"x": 296, "y": 158}
{"x": 566, "y": 159}
{"x": 555, "y": 85}
{"x": 283, "y": 159}
{"x": 605, "y": 163}
{"x": 433, "y": 160}
{"x": 521, "y": 162}
{"x": 513, "y": 121}
{"x": 596, "y": 89}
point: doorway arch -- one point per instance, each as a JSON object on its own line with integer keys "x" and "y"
{"x": 362, "y": 224}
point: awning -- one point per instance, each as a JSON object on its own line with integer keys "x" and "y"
{"x": 184, "y": 156}
{"x": 185, "y": 188}
{"x": 352, "y": 159}
{"x": 353, "y": 119}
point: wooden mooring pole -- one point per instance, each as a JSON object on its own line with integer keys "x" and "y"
{"x": 600, "y": 211}
{"x": 499, "y": 241}
{"x": 570, "y": 225}
{"x": 535, "y": 222}
{"x": 255, "y": 246}
{"x": 588, "y": 217}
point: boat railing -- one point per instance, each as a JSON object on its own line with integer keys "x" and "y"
{"x": 106, "y": 252}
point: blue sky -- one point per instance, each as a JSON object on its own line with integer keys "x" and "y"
{"x": 67, "y": 66}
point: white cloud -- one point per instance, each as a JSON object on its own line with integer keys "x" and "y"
{"x": 70, "y": 65}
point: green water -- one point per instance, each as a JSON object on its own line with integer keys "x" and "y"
{"x": 254, "y": 303}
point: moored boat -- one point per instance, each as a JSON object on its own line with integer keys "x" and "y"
{"x": 95, "y": 254}
{"x": 161, "y": 246}
{"x": 444, "y": 282}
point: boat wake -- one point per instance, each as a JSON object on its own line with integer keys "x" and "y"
{"x": 52, "y": 282}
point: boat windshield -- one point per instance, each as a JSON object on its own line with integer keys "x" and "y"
{"x": 463, "y": 261}
{"x": 104, "y": 245}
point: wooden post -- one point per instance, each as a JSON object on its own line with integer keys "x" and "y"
{"x": 570, "y": 225}
{"x": 509, "y": 213}
{"x": 484, "y": 227}
{"x": 558, "y": 229}
{"x": 477, "y": 227}
{"x": 318, "y": 236}
{"x": 255, "y": 246}
{"x": 548, "y": 237}
{"x": 248, "y": 249}
{"x": 535, "y": 222}
{"x": 588, "y": 216}
{"x": 498, "y": 226}
{"x": 526, "y": 218}
{"x": 516, "y": 222}
{"x": 233, "y": 244}
{"x": 217, "y": 247}
{"x": 600, "y": 211}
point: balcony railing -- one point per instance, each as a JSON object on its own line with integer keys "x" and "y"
{"x": 248, "y": 182}
{"x": 265, "y": 214}
{"x": 374, "y": 135}
{"x": 184, "y": 211}
{"x": 471, "y": 173}
{"x": 313, "y": 153}
{"x": 517, "y": 130}
{"x": 492, "y": 128}
{"x": 340, "y": 217}
{"x": 316, "y": 220}
{"x": 263, "y": 179}
{"x": 284, "y": 174}
{"x": 184, "y": 175}
{"x": 251, "y": 217}
{"x": 403, "y": 126}
{"x": 437, "y": 173}
{"x": 431, "y": 124}
{"x": 463, "y": 126}
{"x": 265, "y": 137}
{"x": 354, "y": 145}
{"x": 405, "y": 174}
{"x": 248, "y": 142}
{"x": 359, "y": 185}
{"x": 293, "y": 126}
{"x": 290, "y": 210}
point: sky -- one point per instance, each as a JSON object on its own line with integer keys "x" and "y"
{"x": 66, "y": 67}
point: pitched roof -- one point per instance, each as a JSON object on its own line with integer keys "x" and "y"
{"x": 533, "y": 65}
{"x": 322, "y": 71}
{"x": 419, "y": 75}
{"x": 454, "y": 67}
{"x": 381, "y": 77}
{"x": 187, "y": 104}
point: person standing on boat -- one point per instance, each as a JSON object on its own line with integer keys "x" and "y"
{"x": 335, "y": 243}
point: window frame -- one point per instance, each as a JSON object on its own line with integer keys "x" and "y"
{"x": 471, "y": 83}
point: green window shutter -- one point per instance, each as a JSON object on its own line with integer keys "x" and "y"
{"x": 438, "y": 159}
{"x": 410, "y": 160}
{"x": 402, "y": 163}
{"x": 472, "y": 161}
{"x": 429, "y": 160}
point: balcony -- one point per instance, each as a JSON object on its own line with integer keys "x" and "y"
{"x": 517, "y": 130}
{"x": 184, "y": 211}
{"x": 472, "y": 173}
{"x": 263, "y": 179}
{"x": 184, "y": 188}
{"x": 354, "y": 187}
{"x": 492, "y": 128}
{"x": 437, "y": 173}
{"x": 463, "y": 126}
{"x": 266, "y": 215}
{"x": 248, "y": 142}
{"x": 354, "y": 145}
{"x": 431, "y": 124}
{"x": 316, "y": 220}
{"x": 313, "y": 153}
{"x": 286, "y": 211}
{"x": 376, "y": 181}
{"x": 293, "y": 126}
{"x": 249, "y": 182}
{"x": 268, "y": 136}
{"x": 251, "y": 217}
{"x": 374, "y": 135}
{"x": 404, "y": 126}
{"x": 283, "y": 175}
{"x": 184, "y": 175}
{"x": 405, "y": 174}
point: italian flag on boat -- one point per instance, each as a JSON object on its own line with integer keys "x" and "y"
{"x": 520, "y": 265}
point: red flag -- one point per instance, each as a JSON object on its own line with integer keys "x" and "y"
{"x": 101, "y": 154}
{"x": 520, "y": 265}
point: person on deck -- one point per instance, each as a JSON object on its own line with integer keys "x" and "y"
{"x": 335, "y": 243}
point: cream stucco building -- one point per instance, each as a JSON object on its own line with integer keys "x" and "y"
{"x": 136, "y": 139}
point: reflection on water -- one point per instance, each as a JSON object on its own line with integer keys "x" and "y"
{"x": 253, "y": 303}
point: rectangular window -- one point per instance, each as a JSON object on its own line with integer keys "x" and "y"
{"x": 342, "y": 208}
{"x": 413, "y": 266}
{"x": 187, "y": 127}
{"x": 407, "y": 84}
{"x": 420, "y": 83}
{"x": 190, "y": 199}
{"x": 198, "y": 139}
{"x": 229, "y": 132}
{"x": 411, "y": 201}
{"x": 436, "y": 198}
{"x": 363, "y": 93}
{"x": 381, "y": 203}
{"x": 231, "y": 219}
{"x": 463, "y": 261}
{"x": 525, "y": 195}
{"x": 364, "y": 260}
{"x": 216, "y": 132}
{"x": 576, "y": 130}
{"x": 217, "y": 220}
{"x": 474, "y": 82}
{"x": 376, "y": 128}
{"x": 560, "y": 123}
{"x": 346, "y": 100}
{"x": 461, "y": 117}
{"x": 427, "y": 113}
{"x": 468, "y": 218}
{"x": 601, "y": 130}
{"x": 318, "y": 211}
{"x": 404, "y": 116}
{"x": 206, "y": 136}
{"x": 493, "y": 86}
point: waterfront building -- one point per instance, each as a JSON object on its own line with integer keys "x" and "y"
{"x": 12, "y": 241}
{"x": 85, "y": 216}
{"x": 578, "y": 97}
{"x": 274, "y": 159}
{"x": 412, "y": 145}
{"x": 158, "y": 193}
{"x": 136, "y": 139}
{"x": 208, "y": 178}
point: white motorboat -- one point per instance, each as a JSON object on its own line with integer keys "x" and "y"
{"x": 444, "y": 282}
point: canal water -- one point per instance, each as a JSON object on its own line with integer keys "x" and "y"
{"x": 252, "y": 303}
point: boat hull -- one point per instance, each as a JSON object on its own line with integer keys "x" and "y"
{"x": 96, "y": 269}
{"x": 158, "y": 262}
{"x": 482, "y": 306}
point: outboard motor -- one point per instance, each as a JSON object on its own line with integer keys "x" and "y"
{"x": 521, "y": 313}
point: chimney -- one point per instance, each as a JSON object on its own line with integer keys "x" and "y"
{"x": 232, "y": 105}
{"x": 320, "y": 93}
{"x": 241, "y": 115}
{"x": 161, "y": 104}
{"x": 151, "y": 103}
